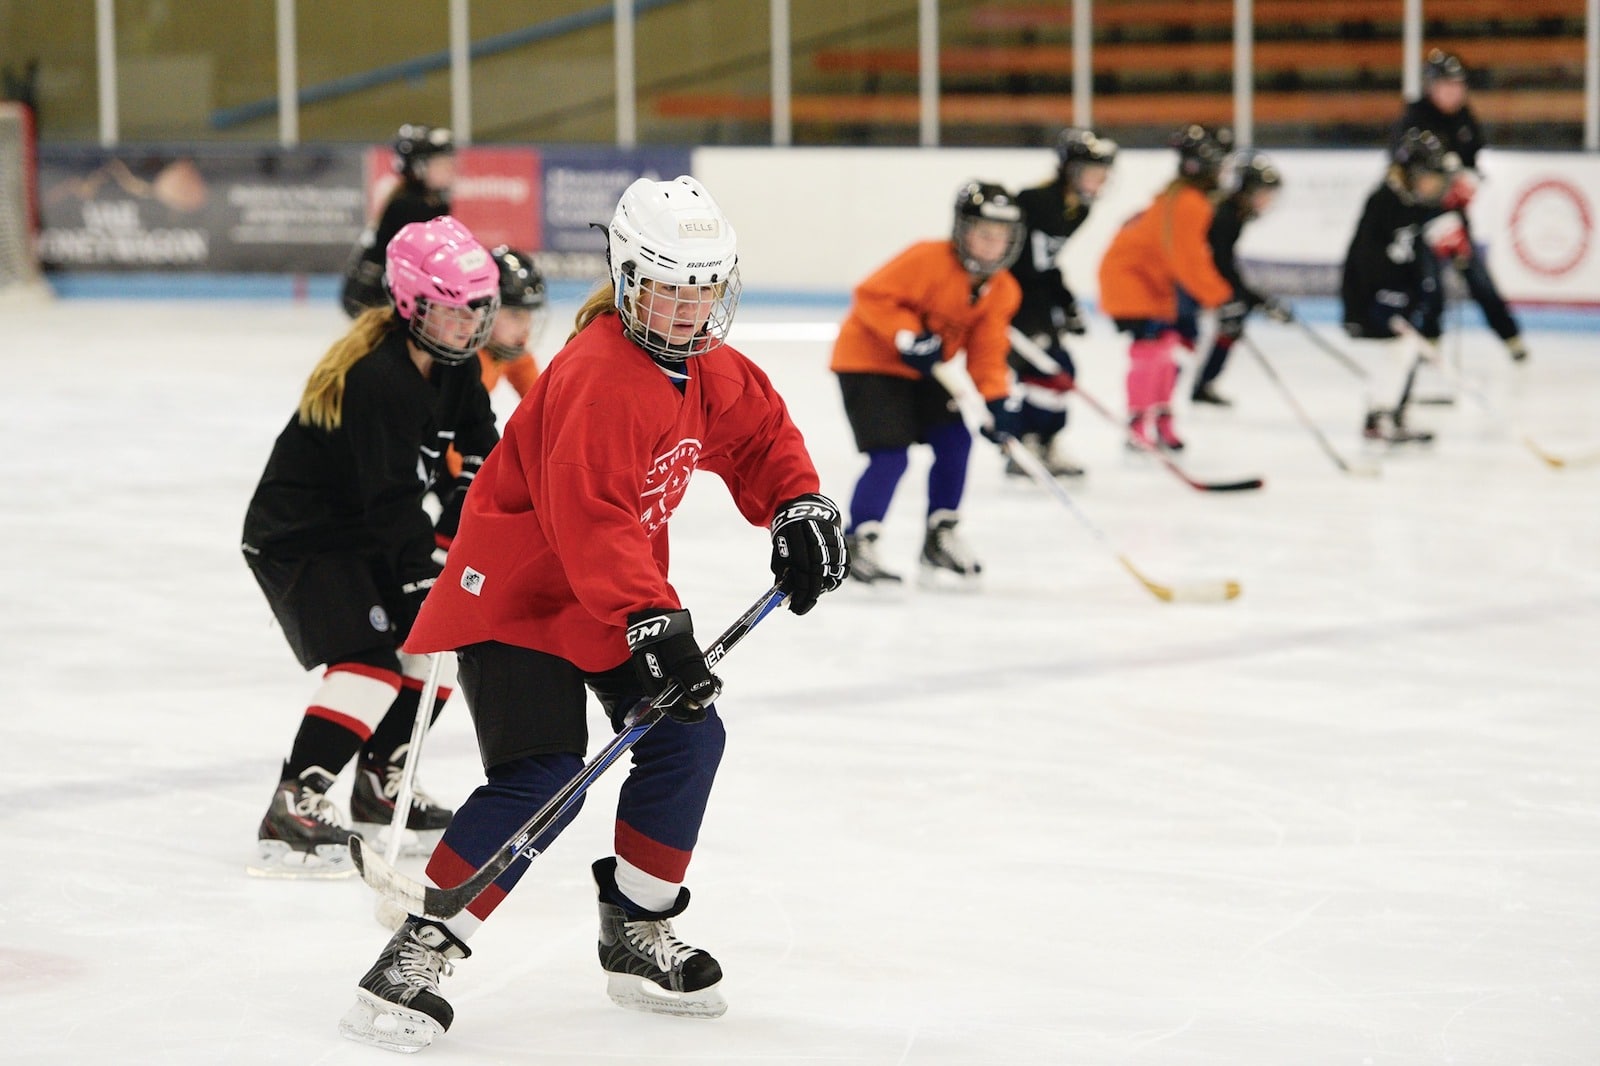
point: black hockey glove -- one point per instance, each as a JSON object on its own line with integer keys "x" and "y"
{"x": 664, "y": 652}
{"x": 1005, "y": 419}
{"x": 808, "y": 552}
{"x": 1068, "y": 320}
{"x": 1230, "y": 318}
{"x": 921, "y": 351}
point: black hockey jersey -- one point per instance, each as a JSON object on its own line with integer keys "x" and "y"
{"x": 1459, "y": 133}
{"x": 359, "y": 487}
{"x": 1226, "y": 225}
{"x": 1387, "y": 264}
{"x": 363, "y": 273}
{"x": 1049, "y": 221}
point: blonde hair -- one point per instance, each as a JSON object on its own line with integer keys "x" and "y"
{"x": 322, "y": 403}
{"x": 601, "y": 301}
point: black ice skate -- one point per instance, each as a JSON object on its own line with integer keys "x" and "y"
{"x": 649, "y": 968}
{"x": 862, "y": 546}
{"x": 303, "y": 834}
{"x": 1207, "y": 394}
{"x": 372, "y": 806}
{"x": 1388, "y": 427}
{"x": 947, "y": 561}
{"x": 398, "y": 1006}
{"x": 1058, "y": 464}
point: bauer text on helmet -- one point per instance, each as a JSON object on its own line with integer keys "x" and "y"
{"x": 674, "y": 267}
{"x": 445, "y": 286}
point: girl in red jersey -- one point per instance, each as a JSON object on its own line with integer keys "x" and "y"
{"x": 924, "y": 305}
{"x": 557, "y": 583}
{"x": 1161, "y": 248}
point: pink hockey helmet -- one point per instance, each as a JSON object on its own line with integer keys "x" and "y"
{"x": 445, "y": 286}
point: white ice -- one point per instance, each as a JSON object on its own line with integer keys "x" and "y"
{"x": 1350, "y": 818}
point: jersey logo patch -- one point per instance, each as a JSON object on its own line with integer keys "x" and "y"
{"x": 378, "y": 618}
{"x": 666, "y": 482}
{"x": 472, "y": 581}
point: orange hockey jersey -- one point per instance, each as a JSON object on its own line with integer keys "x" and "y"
{"x": 925, "y": 287}
{"x": 1162, "y": 247}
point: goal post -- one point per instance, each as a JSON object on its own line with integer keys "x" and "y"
{"x": 19, "y": 206}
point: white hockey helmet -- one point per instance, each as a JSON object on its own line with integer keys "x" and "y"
{"x": 674, "y": 267}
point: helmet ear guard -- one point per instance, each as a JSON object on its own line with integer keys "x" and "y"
{"x": 444, "y": 286}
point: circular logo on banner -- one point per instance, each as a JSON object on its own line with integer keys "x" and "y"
{"x": 1551, "y": 227}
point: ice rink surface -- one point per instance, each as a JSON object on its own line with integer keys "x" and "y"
{"x": 1351, "y": 818}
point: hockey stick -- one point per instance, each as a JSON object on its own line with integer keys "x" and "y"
{"x": 1024, "y": 346}
{"x": 1322, "y": 342}
{"x": 1353, "y": 469}
{"x": 442, "y": 903}
{"x": 408, "y": 773}
{"x": 966, "y": 396}
{"x": 1432, "y": 354}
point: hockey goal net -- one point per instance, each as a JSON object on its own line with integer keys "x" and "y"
{"x": 19, "y": 215}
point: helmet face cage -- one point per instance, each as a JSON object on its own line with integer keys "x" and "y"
{"x": 522, "y": 288}
{"x": 980, "y": 203}
{"x": 452, "y": 333}
{"x": 677, "y": 322}
{"x": 444, "y": 285}
{"x": 674, "y": 268}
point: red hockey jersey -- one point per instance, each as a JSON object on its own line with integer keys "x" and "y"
{"x": 564, "y": 532}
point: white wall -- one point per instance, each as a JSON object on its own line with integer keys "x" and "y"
{"x": 820, "y": 219}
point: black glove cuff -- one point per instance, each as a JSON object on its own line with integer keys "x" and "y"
{"x": 655, "y": 625}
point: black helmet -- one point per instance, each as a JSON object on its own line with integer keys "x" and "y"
{"x": 1077, "y": 148}
{"x": 1443, "y": 66}
{"x": 981, "y": 201}
{"x": 1078, "y": 145}
{"x": 521, "y": 284}
{"x": 1253, "y": 170}
{"x": 414, "y": 145}
{"x": 521, "y": 289}
{"x": 1202, "y": 151}
{"x": 1421, "y": 151}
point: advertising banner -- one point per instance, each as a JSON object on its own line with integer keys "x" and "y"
{"x": 496, "y": 194}
{"x": 236, "y": 211}
{"x": 581, "y": 187}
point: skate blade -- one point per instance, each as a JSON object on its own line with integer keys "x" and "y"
{"x": 377, "y": 1023}
{"x": 414, "y": 843}
{"x": 643, "y": 994}
{"x": 276, "y": 859}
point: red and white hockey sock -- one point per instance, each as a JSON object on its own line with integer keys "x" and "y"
{"x": 345, "y": 709}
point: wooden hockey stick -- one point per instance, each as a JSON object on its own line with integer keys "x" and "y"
{"x": 408, "y": 773}
{"x": 1024, "y": 346}
{"x": 1357, "y": 469}
{"x": 966, "y": 396}
{"x": 442, "y": 903}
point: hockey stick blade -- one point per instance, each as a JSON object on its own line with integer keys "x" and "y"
{"x": 1557, "y": 462}
{"x": 1024, "y": 346}
{"x": 1189, "y": 592}
{"x": 444, "y": 903}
